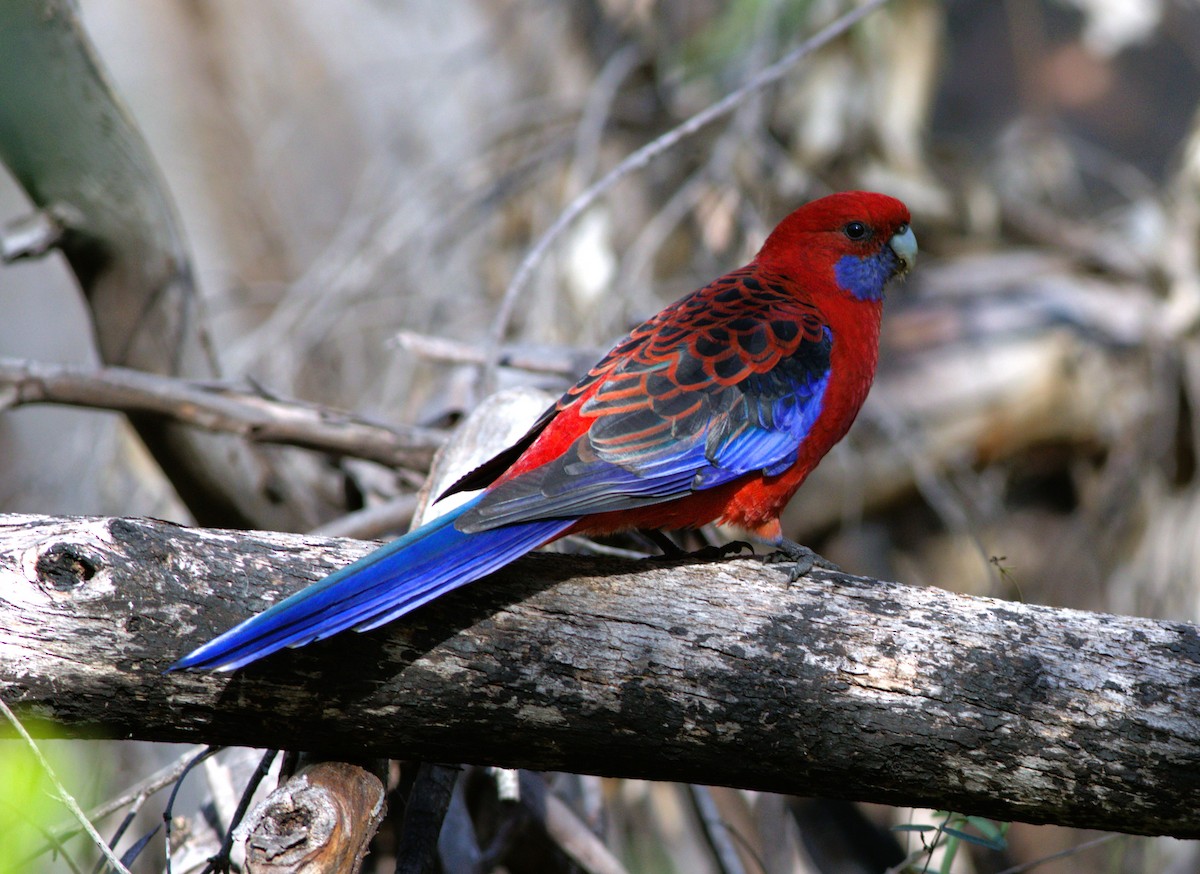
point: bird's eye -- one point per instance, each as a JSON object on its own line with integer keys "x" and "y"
{"x": 855, "y": 231}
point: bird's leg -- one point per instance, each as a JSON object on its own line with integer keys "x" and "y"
{"x": 672, "y": 550}
{"x": 803, "y": 559}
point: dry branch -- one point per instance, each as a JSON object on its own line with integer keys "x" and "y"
{"x": 219, "y": 408}
{"x": 704, "y": 673}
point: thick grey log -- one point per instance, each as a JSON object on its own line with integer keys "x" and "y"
{"x": 702, "y": 672}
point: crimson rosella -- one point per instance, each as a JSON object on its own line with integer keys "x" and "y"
{"x": 714, "y": 410}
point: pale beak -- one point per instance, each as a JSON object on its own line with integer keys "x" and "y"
{"x": 904, "y": 244}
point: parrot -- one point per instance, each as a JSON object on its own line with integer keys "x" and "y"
{"x": 714, "y": 410}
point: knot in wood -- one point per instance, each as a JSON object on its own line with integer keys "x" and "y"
{"x": 66, "y": 566}
{"x": 321, "y": 820}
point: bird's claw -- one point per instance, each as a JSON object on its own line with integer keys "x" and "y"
{"x": 803, "y": 560}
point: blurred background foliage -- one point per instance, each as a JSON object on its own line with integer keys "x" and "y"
{"x": 345, "y": 172}
{"x": 30, "y": 805}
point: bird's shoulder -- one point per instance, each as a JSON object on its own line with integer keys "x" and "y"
{"x": 748, "y": 322}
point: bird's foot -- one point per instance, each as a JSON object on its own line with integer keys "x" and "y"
{"x": 724, "y": 550}
{"x": 803, "y": 559}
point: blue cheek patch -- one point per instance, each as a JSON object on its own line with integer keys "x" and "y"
{"x": 865, "y": 277}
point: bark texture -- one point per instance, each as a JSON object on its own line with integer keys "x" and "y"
{"x": 700, "y": 672}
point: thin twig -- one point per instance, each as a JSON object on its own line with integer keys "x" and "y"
{"x": 63, "y": 795}
{"x": 643, "y": 156}
{"x": 564, "y": 827}
{"x": 717, "y": 170}
{"x": 956, "y": 513}
{"x": 1062, "y": 854}
{"x": 52, "y": 845}
{"x": 168, "y": 811}
{"x": 716, "y": 832}
{"x": 137, "y": 794}
{"x": 220, "y": 862}
{"x": 130, "y": 816}
{"x": 597, "y": 110}
{"x": 133, "y": 798}
{"x": 553, "y": 360}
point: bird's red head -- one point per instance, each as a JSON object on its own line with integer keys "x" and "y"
{"x": 847, "y": 245}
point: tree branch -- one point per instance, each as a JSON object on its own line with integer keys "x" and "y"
{"x": 706, "y": 673}
{"x": 217, "y": 407}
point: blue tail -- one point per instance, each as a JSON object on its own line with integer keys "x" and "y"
{"x": 378, "y": 588}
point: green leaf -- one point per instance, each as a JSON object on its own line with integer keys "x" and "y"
{"x": 989, "y": 828}
{"x": 992, "y": 843}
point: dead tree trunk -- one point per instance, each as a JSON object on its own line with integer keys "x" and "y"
{"x": 69, "y": 143}
{"x": 701, "y": 672}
